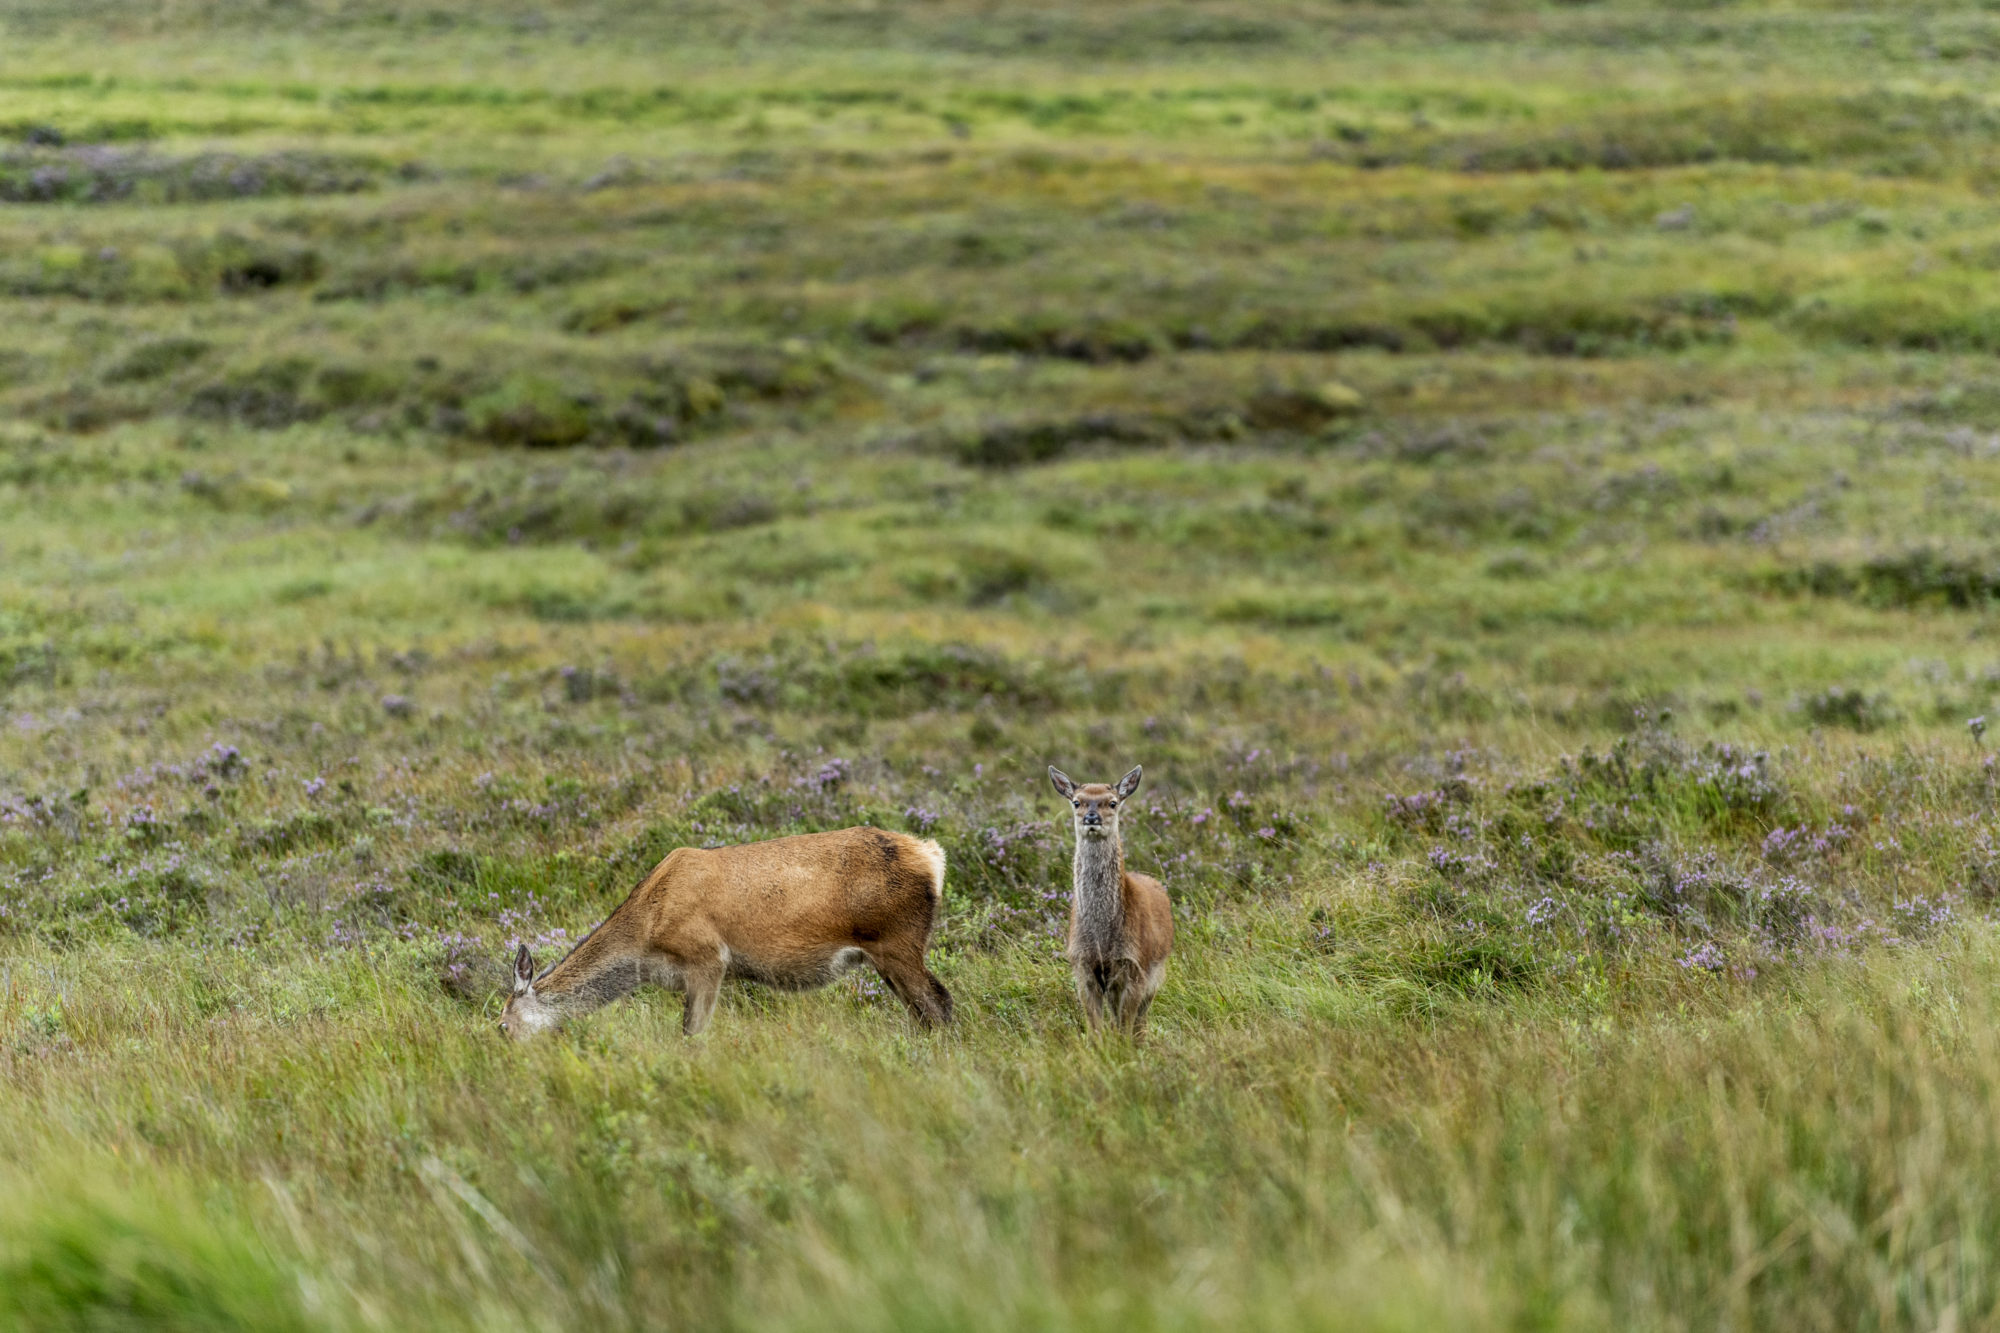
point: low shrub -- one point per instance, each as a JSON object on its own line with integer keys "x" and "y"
{"x": 1920, "y": 576}
{"x": 98, "y": 174}
{"x": 1874, "y": 131}
{"x": 156, "y": 359}
{"x": 863, "y": 680}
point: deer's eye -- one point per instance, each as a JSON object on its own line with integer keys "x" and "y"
{"x": 1111, "y": 805}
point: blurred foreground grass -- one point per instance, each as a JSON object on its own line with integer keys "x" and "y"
{"x": 1521, "y": 478}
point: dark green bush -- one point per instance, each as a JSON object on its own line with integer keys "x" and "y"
{"x": 157, "y": 358}
{"x": 1921, "y": 576}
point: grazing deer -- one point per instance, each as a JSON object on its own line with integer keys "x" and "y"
{"x": 793, "y": 913}
{"x": 1121, "y": 925}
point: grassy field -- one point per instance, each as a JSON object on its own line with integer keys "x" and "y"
{"x": 1523, "y": 478}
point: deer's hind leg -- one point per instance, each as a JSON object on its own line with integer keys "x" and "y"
{"x": 1137, "y": 1000}
{"x": 926, "y": 997}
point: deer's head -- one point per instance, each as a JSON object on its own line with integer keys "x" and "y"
{"x": 1096, "y": 805}
{"x": 527, "y": 1013}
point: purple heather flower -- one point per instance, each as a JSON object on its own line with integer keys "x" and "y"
{"x": 1704, "y": 957}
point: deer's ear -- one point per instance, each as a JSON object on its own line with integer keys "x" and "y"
{"x": 1060, "y": 780}
{"x": 524, "y": 969}
{"x": 1129, "y": 783}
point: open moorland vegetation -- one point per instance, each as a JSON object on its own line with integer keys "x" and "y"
{"x": 1523, "y": 478}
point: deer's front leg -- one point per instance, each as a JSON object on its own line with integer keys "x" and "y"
{"x": 701, "y": 983}
{"x": 704, "y": 988}
{"x": 1090, "y": 994}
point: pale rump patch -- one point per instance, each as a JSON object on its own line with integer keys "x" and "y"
{"x": 934, "y": 854}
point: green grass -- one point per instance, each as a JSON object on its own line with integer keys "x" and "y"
{"x": 1520, "y": 478}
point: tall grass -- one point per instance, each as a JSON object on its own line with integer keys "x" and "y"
{"x": 1813, "y": 1153}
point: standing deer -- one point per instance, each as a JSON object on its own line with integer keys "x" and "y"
{"x": 793, "y": 913}
{"x": 1121, "y": 925}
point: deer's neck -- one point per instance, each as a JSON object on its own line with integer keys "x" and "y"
{"x": 1097, "y": 908}
{"x": 591, "y": 975}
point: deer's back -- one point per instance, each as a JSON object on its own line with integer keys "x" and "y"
{"x": 1149, "y": 918}
{"x": 854, "y": 885}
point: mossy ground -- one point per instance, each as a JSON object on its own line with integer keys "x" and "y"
{"x": 1521, "y": 478}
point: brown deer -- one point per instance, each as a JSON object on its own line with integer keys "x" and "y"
{"x": 793, "y": 913}
{"x": 1121, "y": 925}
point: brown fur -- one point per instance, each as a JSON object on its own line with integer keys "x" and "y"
{"x": 791, "y": 912}
{"x": 1121, "y": 924}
